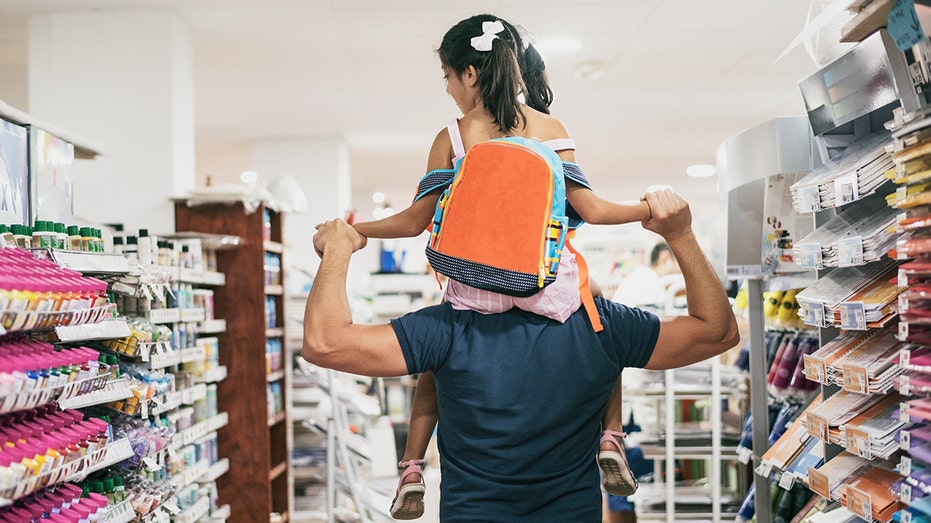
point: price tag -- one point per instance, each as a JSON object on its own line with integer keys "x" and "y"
{"x": 850, "y": 251}
{"x": 743, "y": 455}
{"x": 846, "y": 189}
{"x": 816, "y": 367}
{"x": 809, "y": 199}
{"x": 905, "y": 466}
{"x": 859, "y": 503}
{"x": 171, "y": 507}
{"x": 903, "y": 331}
{"x": 902, "y": 279}
{"x": 151, "y": 464}
{"x": 819, "y": 483}
{"x": 900, "y": 194}
{"x": 764, "y": 469}
{"x": 903, "y": 303}
{"x": 898, "y": 222}
{"x": 905, "y": 443}
{"x": 858, "y": 442}
{"x": 906, "y": 516}
{"x": 852, "y": 315}
{"x": 810, "y": 256}
{"x": 818, "y": 427}
{"x": 903, "y": 25}
{"x": 905, "y": 496}
{"x": 812, "y": 313}
{"x": 905, "y": 358}
{"x": 144, "y": 408}
{"x": 905, "y": 387}
{"x": 855, "y": 378}
{"x": 903, "y": 413}
{"x": 787, "y": 481}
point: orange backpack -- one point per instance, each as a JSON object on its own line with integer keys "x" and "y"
{"x": 501, "y": 225}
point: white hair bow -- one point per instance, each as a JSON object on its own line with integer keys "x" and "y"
{"x": 490, "y": 31}
{"x": 526, "y": 36}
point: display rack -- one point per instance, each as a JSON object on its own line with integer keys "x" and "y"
{"x": 252, "y": 303}
{"x": 848, "y": 101}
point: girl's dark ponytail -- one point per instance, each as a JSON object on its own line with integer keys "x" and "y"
{"x": 537, "y": 91}
{"x": 500, "y": 83}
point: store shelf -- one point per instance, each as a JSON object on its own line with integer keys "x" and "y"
{"x": 212, "y": 327}
{"x": 121, "y": 513}
{"x": 109, "y": 328}
{"x": 274, "y": 333}
{"x": 275, "y": 376}
{"x": 271, "y": 246}
{"x": 277, "y": 418}
{"x": 277, "y": 471}
{"x": 194, "y": 513}
{"x": 90, "y": 262}
{"x": 218, "y": 516}
{"x": 214, "y": 375}
{"x": 199, "y": 430}
{"x": 274, "y": 290}
{"x": 215, "y": 471}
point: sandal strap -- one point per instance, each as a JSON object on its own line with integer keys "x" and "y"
{"x": 613, "y": 437}
{"x": 413, "y": 466}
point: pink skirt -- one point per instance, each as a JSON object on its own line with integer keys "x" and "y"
{"x": 556, "y": 301}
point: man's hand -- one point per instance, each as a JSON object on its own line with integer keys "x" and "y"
{"x": 671, "y": 217}
{"x": 337, "y": 234}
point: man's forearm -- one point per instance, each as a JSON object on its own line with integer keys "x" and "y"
{"x": 705, "y": 295}
{"x": 327, "y": 305}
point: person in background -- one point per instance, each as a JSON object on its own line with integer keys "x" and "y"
{"x": 520, "y": 396}
{"x": 498, "y": 80}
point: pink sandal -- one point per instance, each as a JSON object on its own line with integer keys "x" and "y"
{"x": 408, "y": 500}
{"x": 616, "y": 475}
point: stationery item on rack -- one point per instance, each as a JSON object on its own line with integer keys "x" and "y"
{"x": 872, "y": 433}
{"x": 787, "y": 448}
{"x": 858, "y": 234}
{"x": 870, "y": 496}
{"x": 856, "y": 173}
{"x": 872, "y": 365}
{"x": 787, "y": 379}
{"x": 829, "y": 480}
{"x": 810, "y": 456}
{"x": 825, "y": 420}
{"x": 851, "y": 297}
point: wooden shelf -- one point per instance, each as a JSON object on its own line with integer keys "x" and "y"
{"x": 279, "y": 469}
{"x": 257, "y": 441}
{"x": 277, "y": 332}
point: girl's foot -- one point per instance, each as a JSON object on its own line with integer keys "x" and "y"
{"x": 616, "y": 475}
{"x": 408, "y": 500}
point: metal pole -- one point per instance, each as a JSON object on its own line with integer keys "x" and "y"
{"x": 758, "y": 405}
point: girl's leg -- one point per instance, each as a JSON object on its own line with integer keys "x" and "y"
{"x": 616, "y": 475}
{"x": 408, "y": 501}
{"x": 423, "y": 419}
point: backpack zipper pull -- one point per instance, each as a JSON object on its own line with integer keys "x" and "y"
{"x": 542, "y": 277}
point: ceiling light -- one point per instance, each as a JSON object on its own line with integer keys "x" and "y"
{"x": 378, "y": 197}
{"x": 700, "y": 171}
{"x": 249, "y": 177}
{"x": 558, "y": 45}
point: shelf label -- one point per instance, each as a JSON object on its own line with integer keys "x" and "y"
{"x": 905, "y": 443}
{"x": 151, "y": 464}
{"x": 905, "y": 387}
{"x": 812, "y": 313}
{"x": 903, "y": 25}
{"x": 860, "y": 503}
{"x": 764, "y": 469}
{"x": 902, "y": 279}
{"x": 900, "y": 194}
{"x": 850, "y": 252}
{"x": 903, "y": 331}
{"x": 817, "y": 367}
{"x": 809, "y": 199}
{"x": 818, "y": 483}
{"x": 905, "y": 466}
{"x": 852, "y": 315}
{"x": 787, "y": 481}
{"x": 810, "y": 256}
{"x": 846, "y": 189}
{"x": 903, "y": 303}
{"x": 858, "y": 442}
{"x": 818, "y": 427}
{"x": 744, "y": 454}
{"x": 856, "y": 378}
{"x": 905, "y": 496}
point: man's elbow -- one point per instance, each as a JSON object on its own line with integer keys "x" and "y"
{"x": 315, "y": 349}
{"x": 729, "y": 334}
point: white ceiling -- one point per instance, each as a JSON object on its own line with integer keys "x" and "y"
{"x": 680, "y": 77}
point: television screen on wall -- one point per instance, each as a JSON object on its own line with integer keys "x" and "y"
{"x": 14, "y": 174}
{"x": 52, "y": 177}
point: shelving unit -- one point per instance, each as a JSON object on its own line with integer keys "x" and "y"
{"x": 257, "y": 484}
{"x": 877, "y": 77}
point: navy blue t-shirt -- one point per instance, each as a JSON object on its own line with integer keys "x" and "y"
{"x": 520, "y": 403}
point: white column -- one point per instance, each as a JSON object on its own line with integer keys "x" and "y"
{"x": 321, "y": 168}
{"x": 126, "y": 80}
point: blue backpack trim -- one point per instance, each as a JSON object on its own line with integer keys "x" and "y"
{"x": 433, "y": 180}
{"x": 487, "y": 278}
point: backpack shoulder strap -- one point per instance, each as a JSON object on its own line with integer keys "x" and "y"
{"x": 456, "y": 138}
{"x": 561, "y": 144}
{"x": 585, "y": 291}
{"x": 433, "y": 180}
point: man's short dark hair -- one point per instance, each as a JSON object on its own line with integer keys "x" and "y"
{"x": 657, "y": 249}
